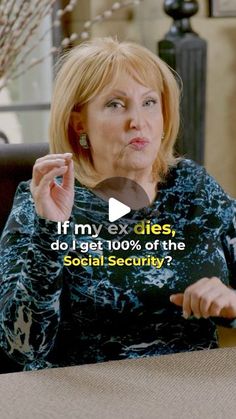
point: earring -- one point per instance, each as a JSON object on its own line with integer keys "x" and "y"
{"x": 163, "y": 136}
{"x": 83, "y": 140}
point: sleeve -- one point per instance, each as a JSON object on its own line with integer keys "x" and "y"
{"x": 30, "y": 281}
{"x": 229, "y": 246}
{"x": 223, "y": 207}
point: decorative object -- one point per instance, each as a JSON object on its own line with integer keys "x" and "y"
{"x": 185, "y": 52}
{"x": 222, "y": 8}
{"x": 83, "y": 141}
{"x": 19, "y": 22}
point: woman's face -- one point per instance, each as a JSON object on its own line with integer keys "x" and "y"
{"x": 124, "y": 124}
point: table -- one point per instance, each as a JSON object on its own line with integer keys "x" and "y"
{"x": 192, "y": 385}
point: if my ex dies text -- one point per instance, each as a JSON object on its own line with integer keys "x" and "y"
{"x": 93, "y": 231}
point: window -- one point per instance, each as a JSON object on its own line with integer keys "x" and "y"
{"x": 25, "y": 102}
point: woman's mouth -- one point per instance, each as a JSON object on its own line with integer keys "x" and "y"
{"x": 139, "y": 143}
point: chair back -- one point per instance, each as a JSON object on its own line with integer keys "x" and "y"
{"x": 16, "y": 162}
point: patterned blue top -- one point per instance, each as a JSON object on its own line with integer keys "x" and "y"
{"x": 52, "y": 314}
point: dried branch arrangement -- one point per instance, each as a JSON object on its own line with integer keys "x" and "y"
{"x": 19, "y": 24}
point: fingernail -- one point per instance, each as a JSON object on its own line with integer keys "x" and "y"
{"x": 185, "y": 314}
{"x": 171, "y": 298}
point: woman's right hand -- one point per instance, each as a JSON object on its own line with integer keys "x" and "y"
{"x": 53, "y": 201}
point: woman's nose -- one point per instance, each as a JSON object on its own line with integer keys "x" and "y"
{"x": 136, "y": 119}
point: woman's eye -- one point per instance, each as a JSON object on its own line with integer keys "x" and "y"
{"x": 115, "y": 105}
{"x": 150, "y": 102}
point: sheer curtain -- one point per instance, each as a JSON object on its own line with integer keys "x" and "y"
{"x": 33, "y": 87}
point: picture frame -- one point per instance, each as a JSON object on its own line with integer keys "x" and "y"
{"x": 222, "y": 8}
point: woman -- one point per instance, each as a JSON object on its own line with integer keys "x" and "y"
{"x": 115, "y": 115}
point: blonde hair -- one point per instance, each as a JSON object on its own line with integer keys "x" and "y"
{"x": 84, "y": 72}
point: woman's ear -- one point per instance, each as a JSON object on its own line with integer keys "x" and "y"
{"x": 76, "y": 122}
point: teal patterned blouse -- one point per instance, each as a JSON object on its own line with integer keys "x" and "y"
{"x": 57, "y": 315}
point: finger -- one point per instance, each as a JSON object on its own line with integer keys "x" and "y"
{"x": 177, "y": 299}
{"x": 217, "y": 306}
{"x": 193, "y": 295}
{"x": 206, "y": 301}
{"x": 212, "y": 291}
{"x": 69, "y": 178}
{"x": 47, "y": 165}
{"x": 195, "y": 299}
{"x": 187, "y": 311}
{"x": 201, "y": 298}
{"x": 224, "y": 305}
{"x": 55, "y": 156}
{"x": 44, "y": 185}
{"x": 43, "y": 167}
{"x": 228, "y": 312}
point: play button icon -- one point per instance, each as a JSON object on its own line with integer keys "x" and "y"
{"x": 117, "y": 209}
{"x": 123, "y": 195}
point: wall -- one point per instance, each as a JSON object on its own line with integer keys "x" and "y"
{"x": 147, "y": 24}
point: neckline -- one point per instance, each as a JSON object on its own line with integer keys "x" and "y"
{"x": 161, "y": 187}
